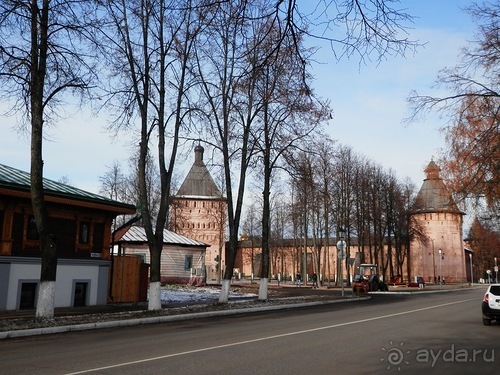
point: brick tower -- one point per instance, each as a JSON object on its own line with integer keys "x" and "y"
{"x": 199, "y": 212}
{"x": 442, "y": 257}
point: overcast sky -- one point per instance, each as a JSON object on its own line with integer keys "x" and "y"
{"x": 369, "y": 104}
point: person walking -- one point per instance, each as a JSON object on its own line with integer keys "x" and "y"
{"x": 298, "y": 279}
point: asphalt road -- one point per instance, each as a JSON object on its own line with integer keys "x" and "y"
{"x": 408, "y": 334}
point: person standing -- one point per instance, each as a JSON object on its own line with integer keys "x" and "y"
{"x": 315, "y": 280}
{"x": 298, "y": 279}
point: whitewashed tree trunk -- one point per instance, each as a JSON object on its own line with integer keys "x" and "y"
{"x": 263, "y": 289}
{"x": 46, "y": 300}
{"x": 224, "y": 291}
{"x": 154, "y": 302}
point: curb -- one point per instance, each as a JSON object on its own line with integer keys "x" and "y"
{"x": 163, "y": 319}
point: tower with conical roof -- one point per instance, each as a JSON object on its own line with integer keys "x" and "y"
{"x": 441, "y": 256}
{"x": 199, "y": 212}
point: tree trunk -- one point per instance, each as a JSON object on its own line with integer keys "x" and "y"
{"x": 39, "y": 49}
{"x": 264, "y": 276}
{"x": 154, "y": 300}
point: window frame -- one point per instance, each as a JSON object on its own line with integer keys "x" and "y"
{"x": 188, "y": 262}
{"x": 84, "y": 228}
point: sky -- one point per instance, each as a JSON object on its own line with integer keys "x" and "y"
{"x": 368, "y": 102}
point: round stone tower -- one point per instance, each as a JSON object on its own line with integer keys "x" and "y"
{"x": 440, "y": 256}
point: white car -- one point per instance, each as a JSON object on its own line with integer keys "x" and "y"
{"x": 491, "y": 304}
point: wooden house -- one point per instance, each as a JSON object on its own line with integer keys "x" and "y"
{"x": 182, "y": 259}
{"x": 82, "y": 224}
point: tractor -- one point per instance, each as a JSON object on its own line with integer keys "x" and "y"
{"x": 367, "y": 279}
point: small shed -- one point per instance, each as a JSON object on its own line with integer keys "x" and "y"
{"x": 182, "y": 258}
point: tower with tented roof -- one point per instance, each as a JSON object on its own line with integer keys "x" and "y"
{"x": 198, "y": 211}
{"x": 440, "y": 255}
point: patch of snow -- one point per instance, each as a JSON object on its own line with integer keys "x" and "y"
{"x": 186, "y": 294}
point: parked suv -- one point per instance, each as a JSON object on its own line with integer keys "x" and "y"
{"x": 491, "y": 304}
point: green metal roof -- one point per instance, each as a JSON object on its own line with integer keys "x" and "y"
{"x": 15, "y": 179}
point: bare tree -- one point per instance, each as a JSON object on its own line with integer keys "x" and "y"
{"x": 279, "y": 229}
{"x": 471, "y": 160}
{"x": 221, "y": 63}
{"x": 342, "y": 188}
{"x": 251, "y": 232}
{"x": 289, "y": 113}
{"x": 407, "y": 228}
{"x": 150, "y": 44}
{"x": 363, "y": 30}
{"x": 371, "y": 28}
{"x": 324, "y": 177}
{"x": 370, "y": 204}
{"x": 114, "y": 185}
{"x": 43, "y": 57}
{"x": 300, "y": 168}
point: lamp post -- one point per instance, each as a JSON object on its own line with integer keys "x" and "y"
{"x": 471, "y": 275}
{"x": 496, "y": 271}
{"x": 440, "y": 274}
{"x": 433, "y": 261}
{"x": 341, "y": 247}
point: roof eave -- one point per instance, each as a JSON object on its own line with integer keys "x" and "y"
{"x": 54, "y": 197}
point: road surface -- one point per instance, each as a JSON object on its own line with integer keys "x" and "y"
{"x": 435, "y": 333}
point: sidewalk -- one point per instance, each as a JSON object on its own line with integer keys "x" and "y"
{"x": 23, "y": 323}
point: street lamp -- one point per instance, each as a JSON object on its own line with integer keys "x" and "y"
{"x": 341, "y": 247}
{"x": 496, "y": 271}
{"x": 433, "y": 261}
{"x": 471, "y": 275}
{"x": 440, "y": 274}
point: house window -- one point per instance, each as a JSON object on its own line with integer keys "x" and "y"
{"x": 80, "y": 297}
{"x": 188, "y": 262}
{"x": 83, "y": 234}
{"x": 31, "y": 230}
{"x": 28, "y": 294}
